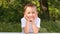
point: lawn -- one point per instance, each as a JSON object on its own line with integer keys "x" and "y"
{"x": 10, "y": 27}
{"x": 46, "y": 26}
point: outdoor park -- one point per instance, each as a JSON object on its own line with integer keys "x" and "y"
{"x": 11, "y": 12}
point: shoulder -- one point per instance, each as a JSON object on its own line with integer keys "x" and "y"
{"x": 23, "y": 18}
{"x": 38, "y": 18}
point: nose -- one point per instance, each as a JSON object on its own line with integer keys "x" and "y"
{"x": 30, "y": 14}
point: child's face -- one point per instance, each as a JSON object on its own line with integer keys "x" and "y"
{"x": 31, "y": 12}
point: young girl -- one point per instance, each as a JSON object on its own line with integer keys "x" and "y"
{"x": 30, "y": 22}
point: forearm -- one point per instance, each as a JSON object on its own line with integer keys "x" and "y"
{"x": 26, "y": 28}
{"x": 35, "y": 28}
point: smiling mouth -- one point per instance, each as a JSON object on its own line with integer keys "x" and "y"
{"x": 30, "y": 21}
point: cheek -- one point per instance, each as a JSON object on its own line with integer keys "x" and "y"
{"x": 27, "y": 15}
{"x": 34, "y": 15}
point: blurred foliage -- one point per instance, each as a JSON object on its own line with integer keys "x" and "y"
{"x": 54, "y": 9}
{"x": 11, "y": 11}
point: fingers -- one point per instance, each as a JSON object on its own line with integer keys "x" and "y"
{"x": 30, "y": 19}
{"x": 27, "y": 18}
{"x": 36, "y": 16}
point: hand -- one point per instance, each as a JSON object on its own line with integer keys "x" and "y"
{"x": 27, "y": 18}
{"x": 36, "y": 16}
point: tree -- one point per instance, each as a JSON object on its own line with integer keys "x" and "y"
{"x": 44, "y": 9}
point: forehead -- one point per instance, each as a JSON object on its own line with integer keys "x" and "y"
{"x": 31, "y": 9}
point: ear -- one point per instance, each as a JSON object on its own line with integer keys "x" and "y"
{"x": 36, "y": 14}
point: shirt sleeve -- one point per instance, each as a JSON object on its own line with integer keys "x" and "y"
{"x": 23, "y": 22}
{"x": 38, "y": 22}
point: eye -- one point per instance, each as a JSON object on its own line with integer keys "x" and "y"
{"x": 33, "y": 12}
{"x": 28, "y": 12}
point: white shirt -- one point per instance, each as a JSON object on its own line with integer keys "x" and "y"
{"x": 23, "y": 23}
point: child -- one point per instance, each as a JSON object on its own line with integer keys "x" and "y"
{"x": 30, "y": 22}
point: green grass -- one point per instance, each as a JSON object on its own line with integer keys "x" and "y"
{"x": 46, "y": 26}
{"x": 10, "y": 27}
{"x": 50, "y": 26}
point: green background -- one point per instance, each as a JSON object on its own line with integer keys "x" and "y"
{"x": 11, "y": 11}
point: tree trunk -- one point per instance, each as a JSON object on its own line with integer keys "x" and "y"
{"x": 44, "y": 9}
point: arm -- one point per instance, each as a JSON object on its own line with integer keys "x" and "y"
{"x": 25, "y": 25}
{"x": 35, "y": 28}
{"x": 26, "y": 28}
{"x": 36, "y": 25}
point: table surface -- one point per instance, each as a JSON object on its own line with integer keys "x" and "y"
{"x": 24, "y": 33}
